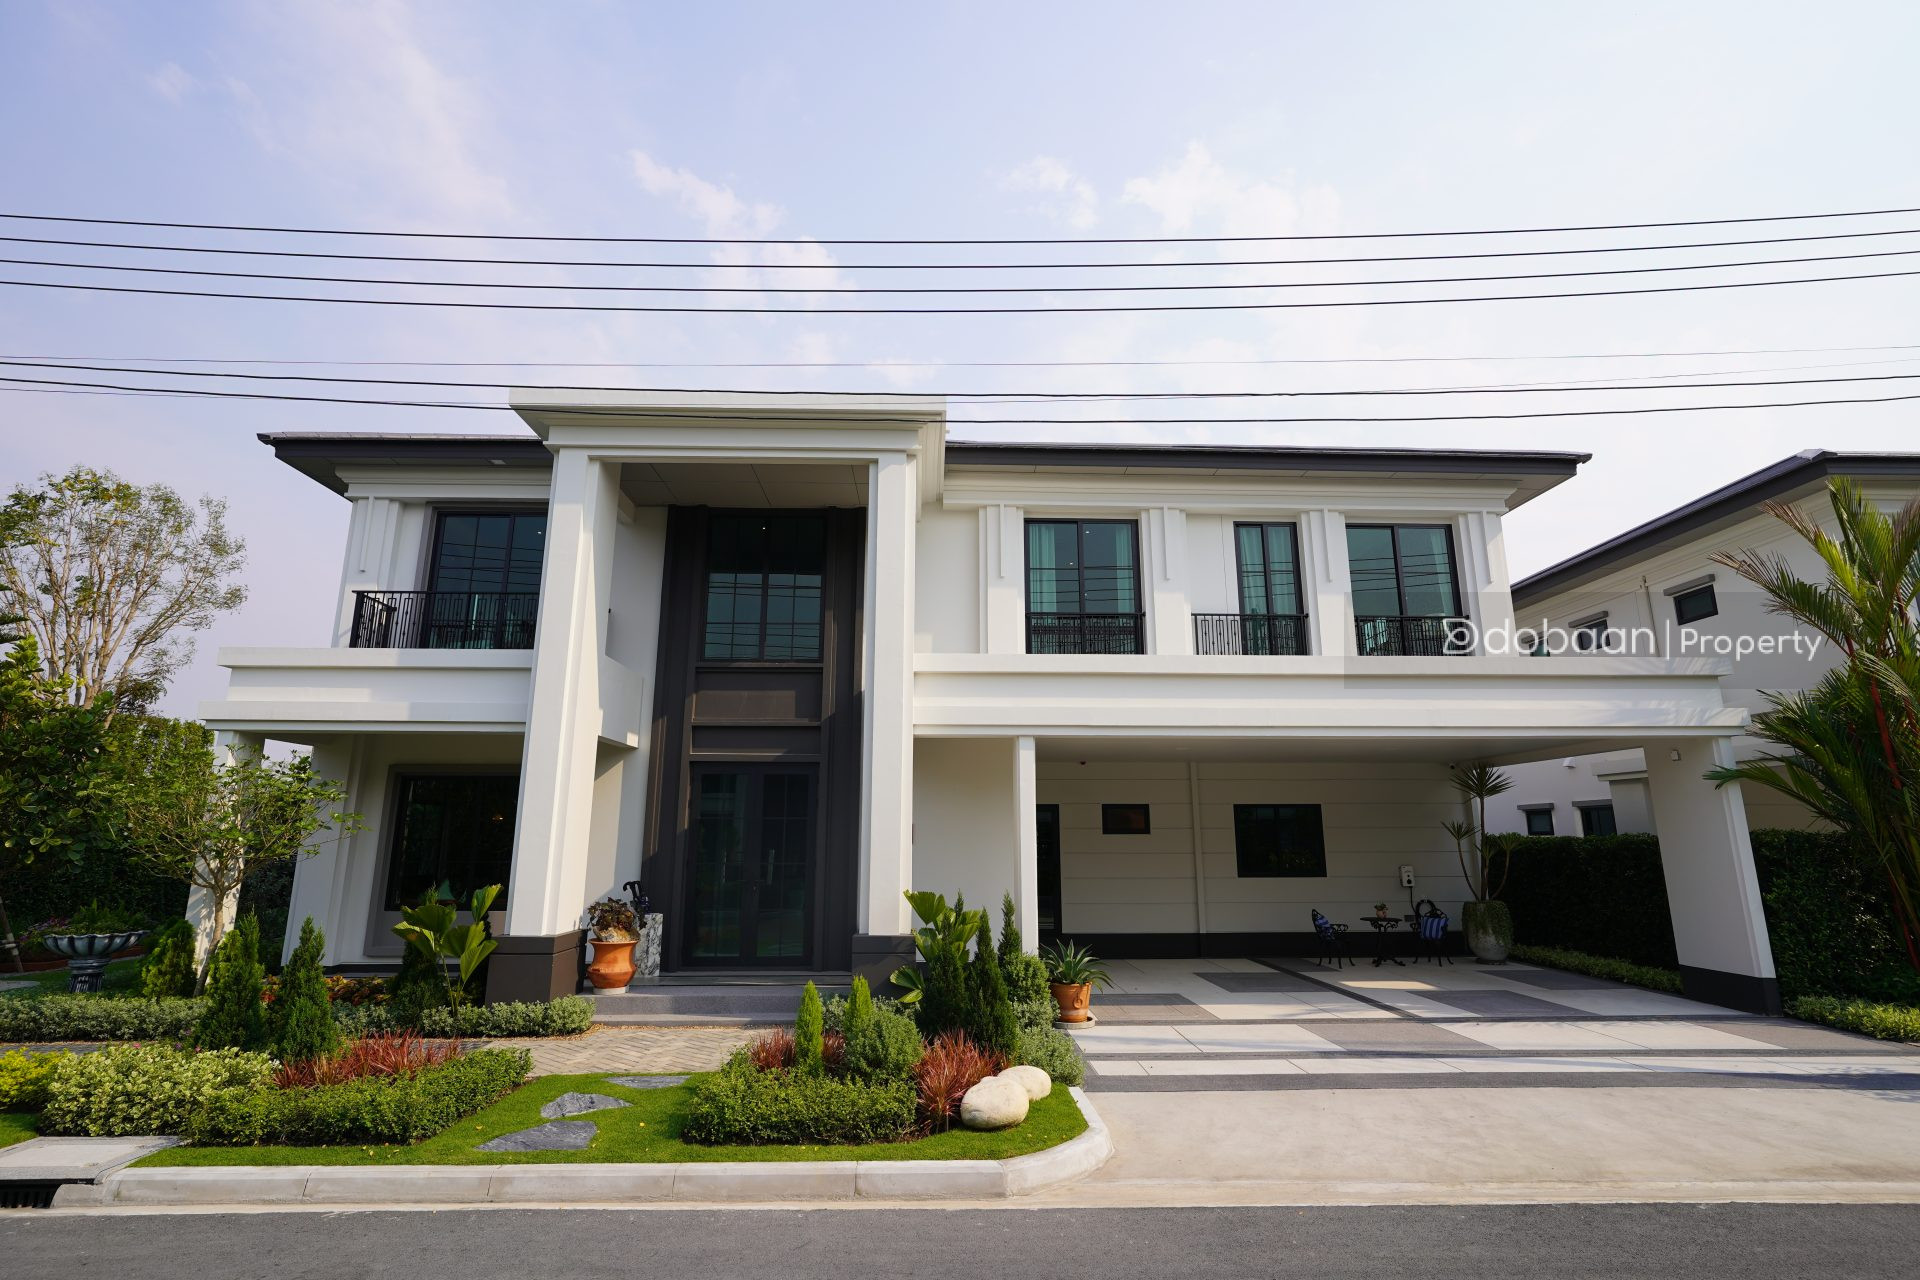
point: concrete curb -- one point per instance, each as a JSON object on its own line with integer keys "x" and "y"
{"x": 744, "y": 1182}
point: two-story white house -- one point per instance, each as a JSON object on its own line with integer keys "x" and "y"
{"x": 781, "y": 658}
{"x": 1656, "y": 590}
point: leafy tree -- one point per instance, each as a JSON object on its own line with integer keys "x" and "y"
{"x": 113, "y": 578}
{"x": 234, "y": 1018}
{"x": 302, "y": 1024}
{"x": 1849, "y": 748}
{"x": 809, "y": 1033}
{"x": 191, "y": 818}
{"x": 53, "y": 758}
{"x": 169, "y": 969}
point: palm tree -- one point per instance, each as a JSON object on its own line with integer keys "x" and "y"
{"x": 1849, "y": 747}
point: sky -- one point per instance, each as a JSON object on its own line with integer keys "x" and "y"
{"x": 836, "y": 121}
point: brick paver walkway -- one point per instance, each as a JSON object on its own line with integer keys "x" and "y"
{"x": 635, "y": 1049}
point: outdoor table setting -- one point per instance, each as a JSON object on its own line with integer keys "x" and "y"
{"x": 1383, "y": 928}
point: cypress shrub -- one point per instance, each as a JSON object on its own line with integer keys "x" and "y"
{"x": 809, "y": 1033}
{"x": 234, "y": 1018}
{"x": 168, "y": 969}
{"x": 857, "y": 1021}
{"x": 992, "y": 1024}
{"x": 944, "y": 995}
{"x": 302, "y": 1016}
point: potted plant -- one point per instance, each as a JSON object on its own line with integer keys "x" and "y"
{"x": 1483, "y": 917}
{"x": 615, "y": 930}
{"x": 1380, "y": 910}
{"x": 89, "y": 939}
{"x": 1073, "y": 972}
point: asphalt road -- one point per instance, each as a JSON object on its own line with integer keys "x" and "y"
{"x": 1673, "y": 1242}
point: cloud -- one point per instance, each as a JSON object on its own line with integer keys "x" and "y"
{"x": 1198, "y": 192}
{"x": 1074, "y": 201}
{"x": 172, "y": 82}
{"x": 722, "y": 214}
{"x": 719, "y": 211}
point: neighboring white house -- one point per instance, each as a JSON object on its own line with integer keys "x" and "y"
{"x": 1656, "y": 590}
{"x": 781, "y": 658}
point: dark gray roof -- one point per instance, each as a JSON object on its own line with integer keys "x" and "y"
{"x": 320, "y": 454}
{"x": 1265, "y": 458}
{"x": 1805, "y": 470}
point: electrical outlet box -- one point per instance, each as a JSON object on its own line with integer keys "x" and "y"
{"x": 1406, "y": 877}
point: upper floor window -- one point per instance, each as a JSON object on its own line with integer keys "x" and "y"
{"x": 488, "y": 551}
{"x": 1695, "y": 604}
{"x": 483, "y": 588}
{"x": 1590, "y": 636}
{"x": 1083, "y": 587}
{"x": 1404, "y": 589}
{"x": 764, "y": 587}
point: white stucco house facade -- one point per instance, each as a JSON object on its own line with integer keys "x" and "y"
{"x": 1656, "y": 590}
{"x": 780, "y": 658}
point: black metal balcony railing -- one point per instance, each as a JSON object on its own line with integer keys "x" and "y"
{"x": 443, "y": 619}
{"x": 1411, "y": 637}
{"x": 1086, "y": 632}
{"x": 1250, "y": 634}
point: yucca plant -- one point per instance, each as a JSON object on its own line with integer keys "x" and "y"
{"x": 1849, "y": 747}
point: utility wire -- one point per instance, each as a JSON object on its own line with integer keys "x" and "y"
{"x": 1370, "y": 235}
{"x": 937, "y": 266}
{"x": 944, "y": 289}
{"x": 616, "y": 411}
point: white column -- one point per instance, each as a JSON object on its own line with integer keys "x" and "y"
{"x": 1170, "y": 615}
{"x": 200, "y": 903}
{"x": 1480, "y": 546}
{"x": 317, "y": 875}
{"x": 1026, "y": 792}
{"x": 886, "y": 829}
{"x": 1327, "y": 586}
{"x": 1003, "y": 589}
{"x": 1719, "y": 929}
{"x": 550, "y": 845}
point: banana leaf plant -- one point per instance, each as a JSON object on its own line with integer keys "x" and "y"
{"x": 942, "y": 928}
{"x": 433, "y": 931}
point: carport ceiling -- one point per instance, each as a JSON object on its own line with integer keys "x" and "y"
{"x": 720, "y": 484}
{"x": 1463, "y": 750}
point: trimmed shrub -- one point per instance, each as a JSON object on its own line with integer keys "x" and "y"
{"x": 739, "y": 1104}
{"x": 130, "y": 1089}
{"x": 1604, "y": 895}
{"x": 1830, "y": 918}
{"x": 301, "y": 1016}
{"x": 885, "y": 1049}
{"x": 1054, "y": 1052}
{"x": 990, "y": 1021}
{"x": 858, "y": 1018}
{"x": 567, "y": 1016}
{"x": 70, "y": 1017}
{"x": 419, "y": 986}
{"x": 833, "y": 1010}
{"x": 1639, "y": 975}
{"x": 235, "y": 1017}
{"x": 168, "y": 969}
{"x": 1882, "y": 1021}
{"x": 1036, "y": 1015}
{"x": 951, "y": 1065}
{"x": 1025, "y": 973}
{"x": 372, "y": 1109}
{"x": 807, "y": 1032}
{"x": 24, "y": 1078}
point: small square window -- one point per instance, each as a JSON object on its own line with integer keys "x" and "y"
{"x": 1539, "y": 821}
{"x": 1125, "y": 820}
{"x": 1597, "y": 820}
{"x": 1694, "y": 605}
{"x": 1591, "y": 637}
{"x": 1278, "y": 840}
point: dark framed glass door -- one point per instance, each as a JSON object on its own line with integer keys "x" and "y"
{"x": 483, "y": 586}
{"x": 751, "y": 865}
{"x": 1047, "y": 847}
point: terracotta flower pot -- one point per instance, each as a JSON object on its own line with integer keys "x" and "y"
{"x": 1073, "y": 999}
{"x": 612, "y": 966}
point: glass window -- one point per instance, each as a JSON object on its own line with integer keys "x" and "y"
{"x": 489, "y": 551}
{"x": 452, "y": 834}
{"x": 1590, "y": 637}
{"x": 764, "y": 587}
{"x": 1597, "y": 820}
{"x": 1269, "y": 568}
{"x": 1278, "y": 840}
{"x": 1376, "y": 582}
{"x": 1403, "y": 570}
{"x": 1695, "y": 605}
{"x": 1125, "y": 820}
{"x": 1083, "y": 587}
{"x": 1539, "y": 821}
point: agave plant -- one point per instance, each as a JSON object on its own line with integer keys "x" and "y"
{"x": 1074, "y": 966}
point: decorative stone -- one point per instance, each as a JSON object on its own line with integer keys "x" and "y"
{"x": 646, "y": 1082}
{"x": 1036, "y": 1082}
{"x": 993, "y": 1104}
{"x": 555, "y": 1135}
{"x": 574, "y": 1104}
{"x": 646, "y": 953}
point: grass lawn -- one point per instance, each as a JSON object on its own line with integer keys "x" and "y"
{"x": 122, "y": 978}
{"x": 15, "y": 1126}
{"x": 648, "y": 1132}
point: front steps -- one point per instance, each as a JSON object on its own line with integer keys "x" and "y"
{"x": 710, "y": 999}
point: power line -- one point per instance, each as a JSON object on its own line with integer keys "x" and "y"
{"x": 709, "y": 265}
{"x": 615, "y": 411}
{"x": 1041, "y": 397}
{"x": 950, "y": 311}
{"x": 943, "y": 289}
{"x": 1370, "y": 235}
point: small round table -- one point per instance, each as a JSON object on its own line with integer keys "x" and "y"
{"x": 1383, "y": 926}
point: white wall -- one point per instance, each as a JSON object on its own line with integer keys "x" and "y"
{"x": 965, "y": 837}
{"x": 946, "y": 609}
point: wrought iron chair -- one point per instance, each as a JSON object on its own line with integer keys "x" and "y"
{"x": 1430, "y": 926}
{"x": 1333, "y": 941}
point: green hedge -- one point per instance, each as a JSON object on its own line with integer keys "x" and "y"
{"x": 1883, "y": 1021}
{"x": 567, "y": 1016}
{"x": 54, "y": 886}
{"x": 374, "y": 1109}
{"x": 1603, "y": 895}
{"x": 1639, "y": 975}
{"x": 130, "y": 1089}
{"x": 738, "y": 1104}
{"x": 84, "y": 1017}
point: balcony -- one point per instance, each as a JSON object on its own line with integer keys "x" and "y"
{"x": 1086, "y": 632}
{"x": 1250, "y": 634}
{"x": 1409, "y": 637}
{"x": 443, "y": 619}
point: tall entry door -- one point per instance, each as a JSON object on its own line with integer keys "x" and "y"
{"x": 751, "y": 861}
{"x": 1047, "y": 831}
